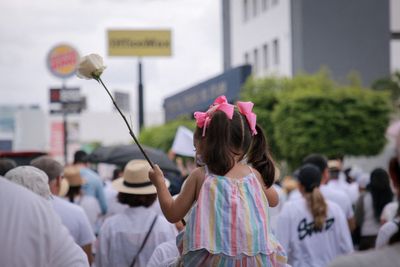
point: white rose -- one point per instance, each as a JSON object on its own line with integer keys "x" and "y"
{"x": 90, "y": 67}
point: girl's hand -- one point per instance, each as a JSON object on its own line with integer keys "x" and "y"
{"x": 156, "y": 176}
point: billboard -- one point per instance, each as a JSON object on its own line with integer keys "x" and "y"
{"x": 67, "y": 100}
{"x": 62, "y": 61}
{"x": 202, "y": 95}
{"x": 123, "y": 101}
{"x": 139, "y": 43}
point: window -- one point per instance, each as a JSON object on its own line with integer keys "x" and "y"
{"x": 245, "y": 10}
{"x": 265, "y": 4}
{"x": 265, "y": 56}
{"x": 255, "y": 7}
{"x": 246, "y": 58}
{"x": 275, "y": 45}
{"x": 255, "y": 64}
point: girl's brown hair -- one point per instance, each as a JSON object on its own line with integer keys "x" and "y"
{"x": 317, "y": 206}
{"x": 226, "y": 138}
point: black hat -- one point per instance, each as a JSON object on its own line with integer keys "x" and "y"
{"x": 310, "y": 177}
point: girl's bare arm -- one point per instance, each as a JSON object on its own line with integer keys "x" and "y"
{"x": 270, "y": 192}
{"x": 175, "y": 209}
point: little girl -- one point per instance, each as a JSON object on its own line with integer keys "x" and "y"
{"x": 229, "y": 223}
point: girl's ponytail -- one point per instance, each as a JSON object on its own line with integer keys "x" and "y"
{"x": 259, "y": 157}
{"x": 310, "y": 180}
{"x": 317, "y": 206}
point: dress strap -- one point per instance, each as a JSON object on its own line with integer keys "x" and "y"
{"x": 251, "y": 170}
{"x": 206, "y": 170}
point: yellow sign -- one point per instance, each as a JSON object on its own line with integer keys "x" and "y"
{"x": 62, "y": 60}
{"x": 139, "y": 43}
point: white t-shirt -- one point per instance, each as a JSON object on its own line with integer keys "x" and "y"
{"x": 294, "y": 194}
{"x": 332, "y": 194}
{"x": 75, "y": 219}
{"x": 340, "y": 198}
{"x": 92, "y": 209}
{"x": 164, "y": 255}
{"x": 113, "y": 206}
{"x": 386, "y": 232}
{"x": 31, "y": 233}
{"x": 370, "y": 227}
{"x": 121, "y": 236}
{"x": 389, "y": 211}
{"x": 345, "y": 187}
{"x": 274, "y": 211}
{"x": 309, "y": 248}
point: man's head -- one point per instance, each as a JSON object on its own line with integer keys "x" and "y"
{"x": 6, "y": 165}
{"x": 52, "y": 168}
{"x": 321, "y": 162}
{"x": 80, "y": 157}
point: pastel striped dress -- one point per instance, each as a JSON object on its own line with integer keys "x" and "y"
{"x": 229, "y": 226}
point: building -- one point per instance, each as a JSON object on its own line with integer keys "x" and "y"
{"x": 285, "y": 37}
{"x": 22, "y": 128}
{"x": 200, "y": 96}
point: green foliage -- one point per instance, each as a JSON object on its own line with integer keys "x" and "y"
{"x": 391, "y": 85}
{"x": 348, "y": 121}
{"x": 161, "y": 137}
{"x": 265, "y": 94}
{"x": 313, "y": 114}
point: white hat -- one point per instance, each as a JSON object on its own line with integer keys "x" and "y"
{"x": 32, "y": 178}
{"x": 135, "y": 179}
{"x": 363, "y": 180}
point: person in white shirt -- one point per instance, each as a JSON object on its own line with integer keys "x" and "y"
{"x": 370, "y": 205}
{"x": 113, "y": 206}
{"x": 312, "y": 230}
{"x": 31, "y": 233}
{"x": 390, "y": 210}
{"x": 390, "y": 231}
{"x": 72, "y": 216}
{"x": 129, "y": 238}
{"x": 75, "y": 195}
{"x": 386, "y": 232}
{"x": 274, "y": 211}
{"x": 165, "y": 255}
{"x": 330, "y": 193}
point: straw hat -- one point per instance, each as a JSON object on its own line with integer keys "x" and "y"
{"x": 135, "y": 179}
{"x": 73, "y": 176}
{"x": 64, "y": 188}
{"x": 334, "y": 164}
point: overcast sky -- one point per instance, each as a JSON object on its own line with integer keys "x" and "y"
{"x": 29, "y": 29}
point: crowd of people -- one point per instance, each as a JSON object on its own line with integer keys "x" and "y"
{"x": 231, "y": 210}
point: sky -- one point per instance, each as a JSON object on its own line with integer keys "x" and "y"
{"x": 29, "y": 29}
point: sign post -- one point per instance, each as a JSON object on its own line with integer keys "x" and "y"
{"x": 62, "y": 61}
{"x": 139, "y": 43}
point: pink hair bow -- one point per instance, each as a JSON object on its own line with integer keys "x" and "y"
{"x": 246, "y": 108}
{"x": 203, "y": 118}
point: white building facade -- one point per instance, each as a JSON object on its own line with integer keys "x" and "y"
{"x": 261, "y": 36}
{"x": 285, "y": 37}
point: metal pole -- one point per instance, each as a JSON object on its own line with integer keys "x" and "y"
{"x": 140, "y": 96}
{"x": 65, "y": 124}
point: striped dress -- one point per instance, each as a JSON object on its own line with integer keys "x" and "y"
{"x": 229, "y": 226}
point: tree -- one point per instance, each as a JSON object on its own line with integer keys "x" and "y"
{"x": 161, "y": 137}
{"x": 390, "y": 84}
{"x": 313, "y": 114}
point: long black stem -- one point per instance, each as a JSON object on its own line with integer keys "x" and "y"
{"x": 126, "y": 122}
